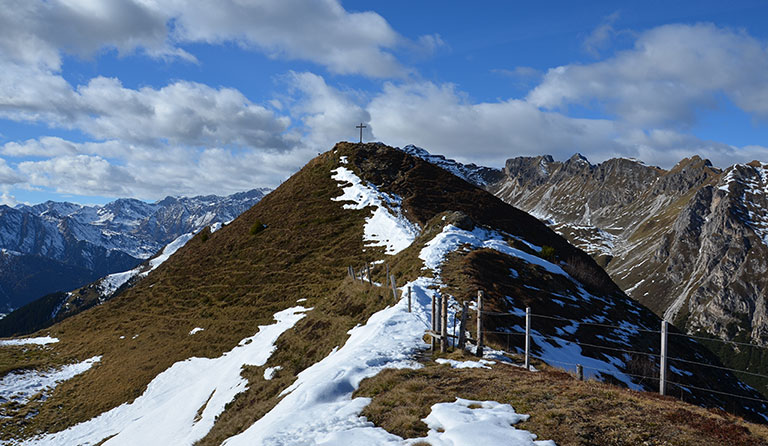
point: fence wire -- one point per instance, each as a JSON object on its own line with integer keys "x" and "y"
{"x": 636, "y": 352}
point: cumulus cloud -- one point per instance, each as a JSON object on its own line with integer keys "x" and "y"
{"x": 442, "y": 119}
{"x": 7, "y": 175}
{"x": 671, "y": 73}
{"x": 319, "y": 31}
{"x": 180, "y": 113}
{"x": 327, "y": 113}
{"x": 35, "y": 32}
{"x": 149, "y": 173}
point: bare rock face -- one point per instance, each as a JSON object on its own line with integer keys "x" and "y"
{"x": 691, "y": 242}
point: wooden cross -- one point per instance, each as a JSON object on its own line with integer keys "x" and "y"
{"x": 361, "y": 127}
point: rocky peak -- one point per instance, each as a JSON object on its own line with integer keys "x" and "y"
{"x": 471, "y": 173}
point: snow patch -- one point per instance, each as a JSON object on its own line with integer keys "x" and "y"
{"x": 195, "y": 330}
{"x": 112, "y": 282}
{"x": 44, "y": 340}
{"x": 387, "y": 226}
{"x": 481, "y": 364}
{"x": 269, "y": 372}
{"x": 467, "y": 422}
{"x": 452, "y": 238}
{"x": 21, "y": 386}
{"x": 166, "y": 412}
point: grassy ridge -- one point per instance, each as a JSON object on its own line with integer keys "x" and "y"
{"x": 229, "y": 284}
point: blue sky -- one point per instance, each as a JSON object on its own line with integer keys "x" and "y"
{"x": 148, "y": 98}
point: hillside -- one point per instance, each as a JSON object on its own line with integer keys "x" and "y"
{"x": 254, "y": 334}
{"x": 60, "y": 246}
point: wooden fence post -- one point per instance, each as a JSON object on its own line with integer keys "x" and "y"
{"x": 409, "y": 299}
{"x": 527, "y": 338}
{"x": 368, "y": 272}
{"x": 350, "y": 273}
{"x": 439, "y": 314}
{"x": 434, "y": 322}
{"x": 480, "y": 294}
{"x": 394, "y": 287}
{"x": 580, "y": 372}
{"x": 463, "y": 325}
{"x": 444, "y": 326}
{"x": 663, "y": 359}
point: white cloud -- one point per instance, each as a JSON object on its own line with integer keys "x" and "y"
{"x": 7, "y": 175}
{"x": 671, "y": 72}
{"x": 35, "y": 31}
{"x": 322, "y": 31}
{"x": 7, "y": 199}
{"x": 80, "y": 174}
{"x": 442, "y": 119}
{"x": 180, "y": 113}
{"x": 601, "y": 37}
{"x": 181, "y": 171}
{"x": 328, "y": 114}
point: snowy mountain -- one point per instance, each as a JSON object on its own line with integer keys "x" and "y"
{"x": 82, "y": 243}
{"x": 690, "y": 242}
{"x": 256, "y": 334}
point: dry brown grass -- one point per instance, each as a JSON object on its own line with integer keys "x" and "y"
{"x": 229, "y": 284}
{"x": 562, "y": 409}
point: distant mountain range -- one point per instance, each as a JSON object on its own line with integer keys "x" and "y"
{"x": 59, "y": 246}
{"x": 690, "y": 243}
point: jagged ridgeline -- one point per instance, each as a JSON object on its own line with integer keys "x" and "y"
{"x": 690, "y": 243}
{"x": 294, "y": 248}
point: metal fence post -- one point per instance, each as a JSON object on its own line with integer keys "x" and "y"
{"x": 663, "y": 359}
{"x": 527, "y": 338}
{"x": 480, "y": 294}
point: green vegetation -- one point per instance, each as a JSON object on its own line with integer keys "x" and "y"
{"x": 547, "y": 253}
{"x": 257, "y": 227}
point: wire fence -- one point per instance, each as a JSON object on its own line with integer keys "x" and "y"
{"x": 650, "y": 354}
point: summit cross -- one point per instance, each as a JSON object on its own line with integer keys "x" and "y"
{"x": 361, "y": 127}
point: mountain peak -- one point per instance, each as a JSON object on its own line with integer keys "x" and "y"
{"x": 471, "y": 173}
{"x": 579, "y": 158}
